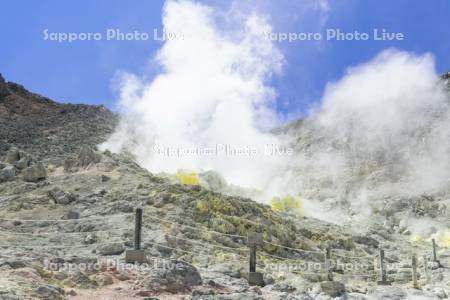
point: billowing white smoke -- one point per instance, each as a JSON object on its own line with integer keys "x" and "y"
{"x": 210, "y": 94}
{"x": 381, "y": 133}
{"x": 393, "y": 111}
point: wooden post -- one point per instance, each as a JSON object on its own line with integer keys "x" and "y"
{"x": 383, "y": 280}
{"x": 434, "y": 250}
{"x": 425, "y": 267}
{"x": 252, "y": 267}
{"x": 414, "y": 271}
{"x": 435, "y": 258}
{"x": 253, "y": 241}
{"x": 328, "y": 264}
{"x": 136, "y": 255}
{"x": 137, "y": 229}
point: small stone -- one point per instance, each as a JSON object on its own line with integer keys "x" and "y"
{"x": 124, "y": 206}
{"x": 71, "y": 215}
{"x": 163, "y": 199}
{"x": 111, "y": 249}
{"x": 104, "y": 279}
{"x": 122, "y": 276}
{"x": 34, "y": 173}
{"x": 90, "y": 239}
{"x": 70, "y": 165}
{"x": 203, "y": 291}
{"x": 105, "y": 178}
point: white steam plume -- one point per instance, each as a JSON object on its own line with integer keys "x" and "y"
{"x": 382, "y": 133}
{"x": 211, "y": 91}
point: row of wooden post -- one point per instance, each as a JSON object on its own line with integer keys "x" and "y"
{"x": 255, "y": 280}
{"x": 255, "y": 240}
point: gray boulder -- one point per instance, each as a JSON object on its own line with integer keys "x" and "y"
{"x": 12, "y": 156}
{"x": 50, "y": 292}
{"x": 88, "y": 156}
{"x": 111, "y": 249}
{"x": 7, "y": 173}
{"x": 332, "y": 288}
{"x": 60, "y": 196}
{"x": 34, "y": 173}
{"x": 22, "y": 163}
{"x": 179, "y": 277}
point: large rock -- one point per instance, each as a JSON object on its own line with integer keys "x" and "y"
{"x": 12, "y": 156}
{"x": 332, "y": 288}
{"x": 179, "y": 277}
{"x": 88, "y": 156}
{"x": 7, "y": 173}
{"x": 60, "y": 196}
{"x": 50, "y": 292}
{"x": 111, "y": 249}
{"x": 21, "y": 163}
{"x": 34, "y": 173}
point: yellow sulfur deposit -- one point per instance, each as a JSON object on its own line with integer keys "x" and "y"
{"x": 443, "y": 239}
{"x": 446, "y": 239}
{"x": 287, "y": 204}
{"x": 189, "y": 178}
{"x": 417, "y": 238}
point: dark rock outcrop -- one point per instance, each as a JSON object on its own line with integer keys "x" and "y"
{"x": 47, "y": 129}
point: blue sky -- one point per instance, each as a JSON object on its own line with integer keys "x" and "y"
{"x": 81, "y": 72}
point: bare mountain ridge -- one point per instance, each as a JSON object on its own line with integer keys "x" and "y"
{"x": 48, "y": 129}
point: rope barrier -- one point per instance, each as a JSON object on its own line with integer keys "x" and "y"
{"x": 285, "y": 258}
{"x": 60, "y": 246}
{"x": 306, "y": 273}
{"x": 164, "y": 246}
{"x": 296, "y": 249}
{"x": 172, "y": 259}
{"x": 64, "y": 220}
{"x": 354, "y": 257}
{"x": 204, "y": 242}
{"x": 196, "y": 228}
{"x": 392, "y": 259}
{"x": 359, "y": 275}
{"x": 48, "y": 233}
{"x": 349, "y": 256}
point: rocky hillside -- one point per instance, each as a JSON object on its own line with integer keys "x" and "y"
{"x": 66, "y": 219}
{"x": 45, "y": 128}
